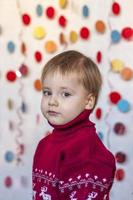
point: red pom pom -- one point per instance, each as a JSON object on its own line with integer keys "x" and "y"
{"x": 119, "y": 128}
{"x": 23, "y": 70}
{"x": 11, "y": 76}
{"x": 120, "y": 157}
{"x": 98, "y": 113}
{"x": 8, "y": 181}
{"x": 114, "y": 97}
{"x": 38, "y": 56}
{"x": 127, "y": 33}
{"x": 62, "y": 21}
{"x": 120, "y": 174}
{"x": 26, "y": 19}
{"x": 50, "y": 12}
{"x": 99, "y": 56}
{"x": 116, "y": 8}
{"x": 84, "y": 33}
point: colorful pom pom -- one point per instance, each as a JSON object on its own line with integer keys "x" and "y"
{"x": 99, "y": 56}
{"x": 115, "y": 36}
{"x": 84, "y": 33}
{"x": 23, "y": 69}
{"x": 38, "y": 56}
{"x": 62, "y": 21}
{"x": 126, "y": 73}
{"x": 50, "y": 12}
{"x": 85, "y": 11}
{"x": 120, "y": 174}
{"x": 8, "y": 182}
{"x": 114, "y": 97}
{"x": 26, "y": 19}
{"x": 39, "y": 10}
{"x": 98, "y": 113}
{"x": 127, "y": 33}
{"x": 119, "y": 128}
{"x": 123, "y": 106}
{"x": 120, "y": 157}
{"x": 100, "y": 26}
{"x": 116, "y": 8}
{"x": 11, "y": 76}
{"x": 50, "y": 46}
{"x": 37, "y": 85}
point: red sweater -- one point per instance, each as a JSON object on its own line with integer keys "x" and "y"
{"x": 72, "y": 163}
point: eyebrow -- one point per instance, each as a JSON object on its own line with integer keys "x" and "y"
{"x": 62, "y": 88}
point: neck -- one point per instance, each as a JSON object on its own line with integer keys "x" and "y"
{"x": 81, "y": 120}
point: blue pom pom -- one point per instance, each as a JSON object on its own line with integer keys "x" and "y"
{"x": 85, "y": 11}
{"x": 101, "y": 136}
{"x": 39, "y": 10}
{"x": 123, "y": 105}
{"x": 115, "y": 36}
{"x": 9, "y": 156}
{"x": 11, "y": 47}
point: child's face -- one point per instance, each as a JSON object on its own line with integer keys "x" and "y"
{"x": 63, "y": 99}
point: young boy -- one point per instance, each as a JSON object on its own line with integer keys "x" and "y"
{"x": 71, "y": 163}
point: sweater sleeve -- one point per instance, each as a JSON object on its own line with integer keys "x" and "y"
{"x": 83, "y": 176}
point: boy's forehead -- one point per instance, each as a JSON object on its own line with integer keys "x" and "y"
{"x": 57, "y": 76}
{"x": 70, "y": 80}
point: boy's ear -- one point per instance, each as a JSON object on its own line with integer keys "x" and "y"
{"x": 90, "y": 101}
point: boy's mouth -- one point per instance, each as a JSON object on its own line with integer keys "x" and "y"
{"x": 52, "y": 113}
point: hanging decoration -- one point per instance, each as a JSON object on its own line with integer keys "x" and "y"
{"x": 116, "y": 9}
{"x": 38, "y": 56}
{"x": 63, "y": 3}
{"x": 39, "y": 10}
{"x": 50, "y": 46}
{"x": 50, "y": 12}
{"x": 85, "y": 11}
{"x": 26, "y": 19}
{"x": 8, "y": 181}
{"x": 115, "y": 36}
{"x": 119, "y": 128}
{"x": 11, "y": 76}
{"x": 120, "y": 157}
{"x": 100, "y": 26}
{"x": 39, "y": 32}
{"x": 73, "y": 36}
{"x": 120, "y": 174}
{"x": 98, "y": 113}
{"x": 9, "y": 156}
{"x": 37, "y": 85}
{"x": 10, "y": 104}
{"x": 99, "y": 57}
{"x": 84, "y": 33}
{"x": 126, "y": 73}
{"x": 127, "y": 33}
{"x": 24, "y": 70}
{"x": 62, "y": 21}
{"x": 11, "y": 47}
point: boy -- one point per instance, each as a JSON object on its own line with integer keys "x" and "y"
{"x": 71, "y": 163}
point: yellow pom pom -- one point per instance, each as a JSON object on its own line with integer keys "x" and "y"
{"x": 73, "y": 36}
{"x": 39, "y": 32}
{"x": 63, "y": 3}
{"x": 117, "y": 65}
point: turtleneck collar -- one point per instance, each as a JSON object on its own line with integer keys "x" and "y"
{"x": 72, "y": 126}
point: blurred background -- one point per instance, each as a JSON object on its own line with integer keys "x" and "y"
{"x": 31, "y": 32}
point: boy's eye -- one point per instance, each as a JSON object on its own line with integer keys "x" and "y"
{"x": 46, "y": 93}
{"x": 66, "y": 94}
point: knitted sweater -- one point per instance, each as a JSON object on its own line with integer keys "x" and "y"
{"x": 72, "y": 163}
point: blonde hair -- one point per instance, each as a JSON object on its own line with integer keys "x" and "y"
{"x": 75, "y": 62}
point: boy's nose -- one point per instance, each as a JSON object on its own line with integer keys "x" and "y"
{"x": 53, "y": 101}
